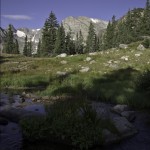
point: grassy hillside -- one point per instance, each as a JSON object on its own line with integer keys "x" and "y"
{"x": 112, "y": 75}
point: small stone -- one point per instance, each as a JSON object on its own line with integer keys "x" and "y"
{"x": 59, "y": 73}
{"x": 45, "y": 97}
{"x": 38, "y": 101}
{"x": 92, "y": 62}
{"x": 63, "y": 62}
{"x": 93, "y": 54}
{"x": 125, "y": 58}
{"x": 88, "y": 59}
{"x": 138, "y": 54}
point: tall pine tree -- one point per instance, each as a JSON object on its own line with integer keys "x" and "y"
{"x": 39, "y": 48}
{"x": 9, "y": 44}
{"x": 49, "y": 34}
{"x": 60, "y": 40}
{"x": 90, "y": 42}
{"x": 25, "y": 49}
{"x": 79, "y": 43}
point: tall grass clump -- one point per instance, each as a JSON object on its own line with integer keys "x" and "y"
{"x": 69, "y": 122}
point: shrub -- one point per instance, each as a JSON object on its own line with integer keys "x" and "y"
{"x": 146, "y": 43}
{"x": 143, "y": 82}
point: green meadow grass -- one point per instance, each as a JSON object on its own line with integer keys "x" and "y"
{"x": 114, "y": 82}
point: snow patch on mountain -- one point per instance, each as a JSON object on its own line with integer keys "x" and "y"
{"x": 20, "y": 33}
{"x": 95, "y": 20}
{"x": 33, "y": 38}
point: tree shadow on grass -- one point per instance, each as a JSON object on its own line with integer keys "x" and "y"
{"x": 113, "y": 87}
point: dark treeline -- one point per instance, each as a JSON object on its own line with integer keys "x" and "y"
{"x": 129, "y": 28}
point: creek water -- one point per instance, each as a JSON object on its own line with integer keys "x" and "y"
{"x": 11, "y": 134}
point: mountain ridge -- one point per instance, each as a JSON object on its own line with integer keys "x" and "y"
{"x": 80, "y": 23}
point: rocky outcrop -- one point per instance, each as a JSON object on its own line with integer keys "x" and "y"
{"x": 120, "y": 116}
{"x": 75, "y": 24}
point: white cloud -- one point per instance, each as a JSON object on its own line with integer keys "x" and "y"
{"x": 17, "y": 17}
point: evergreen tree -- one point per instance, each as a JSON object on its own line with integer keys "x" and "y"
{"x": 49, "y": 34}
{"x": 79, "y": 43}
{"x": 110, "y": 34}
{"x": 90, "y": 42}
{"x": 16, "y": 47}
{"x": 29, "y": 48}
{"x": 39, "y": 48}
{"x": 60, "y": 40}
{"x": 145, "y": 21}
{"x": 70, "y": 45}
{"x": 25, "y": 49}
{"x": 9, "y": 44}
{"x": 45, "y": 39}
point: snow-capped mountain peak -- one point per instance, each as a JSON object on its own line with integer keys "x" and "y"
{"x": 95, "y": 20}
{"x": 20, "y": 33}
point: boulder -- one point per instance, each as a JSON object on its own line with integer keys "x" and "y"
{"x": 88, "y": 59}
{"x": 129, "y": 115}
{"x": 126, "y": 58}
{"x": 93, "y": 54}
{"x": 123, "y": 46}
{"x": 63, "y": 62}
{"x": 60, "y": 73}
{"x": 84, "y": 69}
{"x": 138, "y": 54}
{"x": 141, "y": 47}
{"x": 120, "y": 108}
{"x": 124, "y": 127}
{"x": 62, "y": 55}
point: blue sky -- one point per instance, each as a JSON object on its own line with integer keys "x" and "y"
{"x": 33, "y": 13}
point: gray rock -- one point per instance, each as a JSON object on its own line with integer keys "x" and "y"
{"x": 93, "y": 54}
{"x": 120, "y": 108}
{"x": 84, "y": 69}
{"x": 62, "y": 55}
{"x": 63, "y": 62}
{"x": 126, "y": 58}
{"x": 124, "y": 127}
{"x": 88, "y": 59}
{"x": 60, "y": 73}
{"x": 141, "y": 47}
{"x": 92, "y": 62}
{"x": 102, "y": 110}
{"x": 123, "y": 46}
{"x": 138, "y": 54}
{"x": 129, "y": 115}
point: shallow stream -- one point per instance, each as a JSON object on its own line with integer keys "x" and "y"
{"x": 11, "y": 135}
